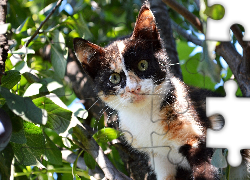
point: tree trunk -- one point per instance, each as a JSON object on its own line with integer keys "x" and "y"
{"x": 3, "y": 38}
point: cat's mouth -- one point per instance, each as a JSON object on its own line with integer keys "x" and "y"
{"x": 136, "y": 97}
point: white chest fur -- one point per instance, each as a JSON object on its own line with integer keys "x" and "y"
{"x": 144, "y": 131}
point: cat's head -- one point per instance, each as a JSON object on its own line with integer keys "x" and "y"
{"x": 127, "y": 71}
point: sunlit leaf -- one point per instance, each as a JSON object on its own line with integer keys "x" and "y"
{"x": 59, "y": 54}
{"x": 33, "y": 89}
{"x": 106, "y": 134}
{"x": 30, "y": 153}
{"x": 23, "y": 26}
{"x": 24, "y": 50}
{"x": 58, "y": 118}
{"x": 24, "y": 107}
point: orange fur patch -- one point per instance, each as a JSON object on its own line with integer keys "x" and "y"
{"x": 179, "y": 127}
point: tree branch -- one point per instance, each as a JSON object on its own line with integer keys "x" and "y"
{"x": 185, "y": 13}
{"x": 245, "y": 45}
{"x": 4, "y": 47}
{"x": 86, "y": 142}
{"x": 184, "y": 33}
{"x": 70, "y": 157}
{"x": 235, "y": 62}
{"x": 238, "y": 34}
{"x": 41, "y": 25}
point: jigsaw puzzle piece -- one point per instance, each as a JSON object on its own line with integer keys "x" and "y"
{"x": 235, "y": 111}
{"x": 235, "y": 12}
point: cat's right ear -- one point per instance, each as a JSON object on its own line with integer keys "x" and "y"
{"x": 87, "y": 53}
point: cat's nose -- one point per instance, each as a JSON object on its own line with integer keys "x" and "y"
{"x": 135, "y": 89}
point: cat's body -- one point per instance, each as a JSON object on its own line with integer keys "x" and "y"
{"x": 156, "y": 110}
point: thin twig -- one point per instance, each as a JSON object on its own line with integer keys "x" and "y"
{"x": 86, "y": 142}
{"x": 184, "y": 33}
{"x": 185, "y": 13}
{"x": 41, "y": 25}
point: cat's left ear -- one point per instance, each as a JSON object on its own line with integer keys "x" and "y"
{"x": 87, "y": 52}
{"x": 145, "y": 27}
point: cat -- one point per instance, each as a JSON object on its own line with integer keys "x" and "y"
{"x": 163, "y": 116}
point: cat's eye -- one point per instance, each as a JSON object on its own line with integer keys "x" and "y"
{"x": 143, "y": 65}
{"x": 115, "y": 78}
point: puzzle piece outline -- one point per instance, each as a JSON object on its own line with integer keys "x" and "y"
{"x": 219, "y": 103}
{"x": 219, "y": 30}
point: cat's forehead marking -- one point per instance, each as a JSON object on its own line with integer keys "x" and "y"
{"x": 117, "y": 62}
{"x": 121, "y": 46}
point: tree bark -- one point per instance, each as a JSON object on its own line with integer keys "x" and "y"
{"x": 163, "y": 21}
{"x": 4, "y": 47}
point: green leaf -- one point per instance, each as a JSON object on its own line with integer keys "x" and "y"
{"x": 81, "y": 113}
{"x": 30, "y": 153}
{"x": 194, "y": 78}
{"x": 24, "y": 107}
{"x": 18, "y": 137}
{"x": 24, "y": 50}
{"x": 59, "y": 54}
{"x": 58, "y": 118}
{"x": 83, "y": 28}
{"x": 189, "y": 67}
{"x": 31, "y": 78}
{"x": 8, "y": 65}
{"x": 52, "y": 153}
{"x": 45, "y": 86}
{"x": 184, "y": 50}
{"x": 11, "y": 78}
{"x": 54, "y": 86}
{"x": 106, "y": 134}
{"x": 89, "y": 160}
{"x": 218, "y": 159}
{"x": 54, "y": 137}
{"x": 32, "y": 90}
{"x": 207, "y": 65}
{"x": 115, "y": 158}
{"x": 23, "y": 26}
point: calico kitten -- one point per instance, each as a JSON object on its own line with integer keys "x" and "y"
{"x": 132, "y": 76}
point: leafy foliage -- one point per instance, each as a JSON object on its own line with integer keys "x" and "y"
{"x": 35, "y": 77}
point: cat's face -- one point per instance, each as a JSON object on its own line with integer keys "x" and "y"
{"x": 127, "y": 72}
